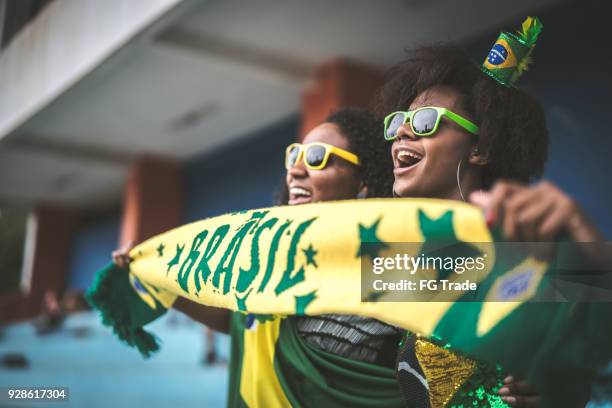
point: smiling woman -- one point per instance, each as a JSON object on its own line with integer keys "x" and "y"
{"x": 338, "y": 160}
{"x": 504, "y": 148}
{"x": 494, "y": 141}
{"x": 350, "y": 136}
{"x": 313, "y": 168}
{"x": 342, "y": 159}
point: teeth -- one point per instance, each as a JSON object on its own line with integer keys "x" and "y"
{"x": 402, "y": 155}
{"x": 297, "y": 191}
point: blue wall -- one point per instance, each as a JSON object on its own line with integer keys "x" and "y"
{"x": 570, "y": 75}
{"x": 91, "y": 249}
{"x": 243, "y": 175}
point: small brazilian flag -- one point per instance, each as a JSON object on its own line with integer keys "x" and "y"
{"x": 511, "y": 54}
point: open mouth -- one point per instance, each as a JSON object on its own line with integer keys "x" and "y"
{"x": 299, "y": 195}
{"x": 407, "y": 158}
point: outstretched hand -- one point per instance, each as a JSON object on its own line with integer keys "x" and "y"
{"x": 121, "y": 256}
{"x": 535, "y": 213}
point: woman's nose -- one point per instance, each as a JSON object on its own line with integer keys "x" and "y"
{"x": 405, "y": 131}
{"x": 298, "y": 170}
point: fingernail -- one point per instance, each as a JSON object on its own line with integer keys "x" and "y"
{"x": 508, "y": 379}
{"x": 490, "y": 218}
{"x": 509, "y": 400}
{"x": 504, "y": 391}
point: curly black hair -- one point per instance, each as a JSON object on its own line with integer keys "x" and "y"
{"x": 364, "y": 132}
{"x": 513, "y": 135}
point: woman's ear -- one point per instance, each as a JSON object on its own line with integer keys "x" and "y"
{"x": 363, "y": 191}
{"x": 477, "y": 158}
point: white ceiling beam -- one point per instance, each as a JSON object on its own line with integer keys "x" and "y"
{"x": 65, "y": 42}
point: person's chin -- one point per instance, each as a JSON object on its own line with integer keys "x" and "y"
{"x": 405, "y": 188}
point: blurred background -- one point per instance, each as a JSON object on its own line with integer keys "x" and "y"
{"x": 124, "y": 118}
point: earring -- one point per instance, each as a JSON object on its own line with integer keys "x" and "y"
{"x": 458, "y": 182}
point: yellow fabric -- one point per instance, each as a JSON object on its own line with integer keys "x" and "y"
{"x": 446, "y": 372}
{"x": 259, "y": 384}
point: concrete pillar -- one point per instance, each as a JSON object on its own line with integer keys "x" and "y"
{"x": 153, "y": 201}
{"x": 152, "y": 204}
{"x": 53, "y": 240}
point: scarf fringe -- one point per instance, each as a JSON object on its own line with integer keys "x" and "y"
{"x": 111, "y": 294}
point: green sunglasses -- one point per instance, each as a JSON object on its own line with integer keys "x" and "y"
{"x": 424, "y": 121}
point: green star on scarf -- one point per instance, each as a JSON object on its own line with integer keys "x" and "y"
{"x": 177, "y": 257}
{"x": 160, "y": 250}
{"x": 310, "y": 254}
{"x": 367, "y": 235}
{"x": 439, "y": 239}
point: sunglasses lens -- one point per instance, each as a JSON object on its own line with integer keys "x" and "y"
{"x": 396, "y": 121}
{"x": 424, "y": 121}
{"x": 315, "y": 155}
{"x": 292, "y": 155}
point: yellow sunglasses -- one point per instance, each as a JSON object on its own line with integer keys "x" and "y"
{"x": 316, "y": 155}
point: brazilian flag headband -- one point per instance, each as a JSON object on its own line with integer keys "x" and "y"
{"x": 511, "y": 54}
